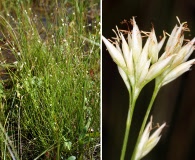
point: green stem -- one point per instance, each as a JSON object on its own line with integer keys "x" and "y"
{"x": 156, "y": 89}
{"x": 9, "y": 144}
{"x": 132, "y": 100}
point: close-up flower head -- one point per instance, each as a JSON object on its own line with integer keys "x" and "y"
{"x": 143, "y": 63}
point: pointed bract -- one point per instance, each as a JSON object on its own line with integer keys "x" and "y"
{"x": 136, "y": 41}
{"x": 160, "y": 44}
{"x": 115, "y": 54}
{"x": 124, "y": 77}
{"x": 177, "y": 71}
{"x": 184, "y": 53}
{"x": 175, "y": 40}
{"x": 153, "y": 47}
{"x": 127, "y": 56}
{"x": 157, "y": 68}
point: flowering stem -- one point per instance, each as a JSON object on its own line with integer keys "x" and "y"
{"x": 132, "y": 99}
{"x": 156, "y": 89}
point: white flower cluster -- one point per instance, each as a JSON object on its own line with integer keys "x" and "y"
{"x": 138, "y": 65}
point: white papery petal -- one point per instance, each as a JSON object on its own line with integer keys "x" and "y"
{"x": 129, "y": 41}
{"x": 143, "y": 57}
{"x": 171, "y": 38}
{"x": 153, "y": 47}
{"x": 175, "y": 40}
{"x": 177, "y": 71}
{"x": 136, "y": 41}
{"x": 128, "y": 56}
{"x": 118, "y": 47}
{"x": 157, "y": 68}
{"x": 144, "y": 72}
{"x": 190, "y": 51}
{"x": 125, "y": 47}
{"x": 153, "y": 140}
{"x": 143, "y": 63}
{"x": 143, "y": 140}
{"x": 188, "y": 55}
{"x": 124, "y": 77}
{"x": 115, "y": 54}
{"x": 163, "y": 56}
{"x": 160, "y": 44}
{"x": 184, "y": 53}
{"x": 150, "y": 147}
{"x": 157, "y": 132}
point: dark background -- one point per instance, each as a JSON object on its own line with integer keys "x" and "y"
{"x": 175, "y": 103}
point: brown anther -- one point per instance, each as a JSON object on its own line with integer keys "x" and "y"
{"x": 127, "y": 23}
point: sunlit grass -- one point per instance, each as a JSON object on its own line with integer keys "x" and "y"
{"x": 52, "y": 108}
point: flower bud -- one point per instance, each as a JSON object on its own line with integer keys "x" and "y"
{"x": 147, "y": 143}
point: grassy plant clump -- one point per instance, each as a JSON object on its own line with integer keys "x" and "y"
{"x": 51, "y": 108}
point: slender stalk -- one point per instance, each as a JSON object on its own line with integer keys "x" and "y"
{"x": 132, "y": 99}
{"x": 9, "y": 144}
{"x": 156, "y": 90}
